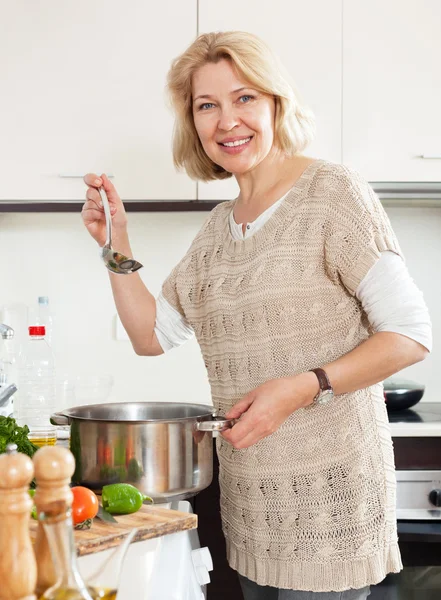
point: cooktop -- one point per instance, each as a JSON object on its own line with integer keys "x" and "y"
{"x": 423, "y": 412}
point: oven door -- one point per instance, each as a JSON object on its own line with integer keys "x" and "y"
{"x": 420, "y": 579}
{"x": 413, "y": 583}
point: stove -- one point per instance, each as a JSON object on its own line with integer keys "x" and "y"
{"x": 426, "y": 413}
{"x": 416, "y": 435}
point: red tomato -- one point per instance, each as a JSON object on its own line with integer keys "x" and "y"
{"x": 85, "y": 504}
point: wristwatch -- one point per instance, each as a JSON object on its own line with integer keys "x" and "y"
{"x": 326, "y": 392}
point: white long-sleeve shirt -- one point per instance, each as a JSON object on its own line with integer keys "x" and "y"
{"x": 387, "y": 293}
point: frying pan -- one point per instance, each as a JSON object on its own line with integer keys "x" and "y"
{"x": 400, "y": 394}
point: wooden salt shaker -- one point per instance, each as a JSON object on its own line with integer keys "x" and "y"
{"x": 18, "y": 571}
{"x": 54, "y": 467}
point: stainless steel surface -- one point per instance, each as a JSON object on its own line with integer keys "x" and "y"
{"x": 6, "y": 393}
{"x": 59, "y": 419}
{"x": 418, "y": 514}
{"x": 115, "y": 261}
{"x": 159, "y": 447}
{"x": 408, "y": 193}
{"x": 6, "y": 332}
{"x": 217, "y": 424}
{"x": 414, "y": 490}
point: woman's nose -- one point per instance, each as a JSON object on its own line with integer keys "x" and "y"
{"x": 228, "y": 120}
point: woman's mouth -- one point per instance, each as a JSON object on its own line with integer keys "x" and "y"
{"x": 236, "y": 146}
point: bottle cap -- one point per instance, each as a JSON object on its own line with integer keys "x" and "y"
{"x": 43, "y": 300}
{"x": 37, "y": 330}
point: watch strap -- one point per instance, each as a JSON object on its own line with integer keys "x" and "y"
{"x": 323, "y": 379}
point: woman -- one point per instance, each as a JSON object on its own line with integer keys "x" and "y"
{"x": 291, "y": 291}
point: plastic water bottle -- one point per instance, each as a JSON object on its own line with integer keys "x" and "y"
{"x": 45, "y": 317}
{"x": 36, "y": 400}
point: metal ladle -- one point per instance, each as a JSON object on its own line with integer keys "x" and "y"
{"x": 114, "y": 261}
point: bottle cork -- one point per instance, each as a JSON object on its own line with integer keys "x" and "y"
{"x": 18, "y": 571}
{"x": 54, "y": 467}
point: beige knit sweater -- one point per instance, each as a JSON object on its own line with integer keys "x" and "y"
{"x": 312, "y": 506}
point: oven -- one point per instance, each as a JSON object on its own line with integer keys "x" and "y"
{"x": 416, "y": 435}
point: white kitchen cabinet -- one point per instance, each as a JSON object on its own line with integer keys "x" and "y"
{"x": 307, "y": 37}
{"x": 84, "y": 90}
{"x": 392, "y": 89}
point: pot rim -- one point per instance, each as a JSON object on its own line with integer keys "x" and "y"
{"x": 210, "y": 411}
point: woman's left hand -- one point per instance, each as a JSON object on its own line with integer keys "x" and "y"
{"x": 265, "y": 408}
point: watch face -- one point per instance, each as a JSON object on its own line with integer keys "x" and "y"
{"x": 325, "y": 397}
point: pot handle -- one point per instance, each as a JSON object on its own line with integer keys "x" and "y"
{"x": 217, "y": 424}
{"x": 59, "y": 419}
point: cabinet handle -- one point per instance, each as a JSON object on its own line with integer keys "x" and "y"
{"x": 75, "y": 176}
{"x": 429, "y": 156}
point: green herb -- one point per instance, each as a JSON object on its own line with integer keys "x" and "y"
{"x": 34, "y": 508}
{"x": 87, "y": 524}
{"x": 11, "y": 433}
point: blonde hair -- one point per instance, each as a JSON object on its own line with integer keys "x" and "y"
{"x": 256, "y": 64}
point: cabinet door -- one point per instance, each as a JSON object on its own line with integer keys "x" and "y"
{"x": 307, "y": 38}
{"x": 85, "y": 92}
{"x": 392, "y": 89}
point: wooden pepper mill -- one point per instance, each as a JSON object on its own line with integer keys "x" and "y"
{"x": 54, "y": 467}
{"x": 18, "y": 571}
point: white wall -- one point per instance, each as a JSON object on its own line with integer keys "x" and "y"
{"x": 418, "y": 231}
{"x": 51, "y": 254}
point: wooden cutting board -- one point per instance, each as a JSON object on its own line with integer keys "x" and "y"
{"x": 151, "y": 522}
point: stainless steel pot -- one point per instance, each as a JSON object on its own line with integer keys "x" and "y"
{"x": 165, "y": 449}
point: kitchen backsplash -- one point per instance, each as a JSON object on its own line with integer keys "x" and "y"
{"x": 51, "y": 254}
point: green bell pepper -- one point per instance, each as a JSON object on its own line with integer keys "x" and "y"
{"x": 122, "y": 498}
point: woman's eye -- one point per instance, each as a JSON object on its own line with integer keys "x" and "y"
{"x": 206, "y": 106}
{"x": 245, "y": 99}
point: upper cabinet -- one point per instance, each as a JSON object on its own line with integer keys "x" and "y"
{"x": 307, "y": 38}
{"x": 392, "y": 89}
{"x": 84, "y": 90}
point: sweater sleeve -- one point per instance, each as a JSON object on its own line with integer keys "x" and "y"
{"x": 170, "y": 292}
{"x": 357, "y": 228}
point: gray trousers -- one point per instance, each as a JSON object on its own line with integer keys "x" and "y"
{"x": 253, "y": 591}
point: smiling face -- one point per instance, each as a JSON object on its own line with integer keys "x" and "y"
{"x": 234, "y": 121}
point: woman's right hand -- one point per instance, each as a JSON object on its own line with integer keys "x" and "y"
{"x": 93, "y": 211}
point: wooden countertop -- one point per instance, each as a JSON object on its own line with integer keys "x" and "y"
{"x": 151, "y": 522}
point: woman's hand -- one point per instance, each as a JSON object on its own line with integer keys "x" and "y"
{"x": 265, "y": 408}
{"x": 93, "y": 211}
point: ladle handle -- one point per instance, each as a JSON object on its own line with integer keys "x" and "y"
{"x": 107, "y": 215}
